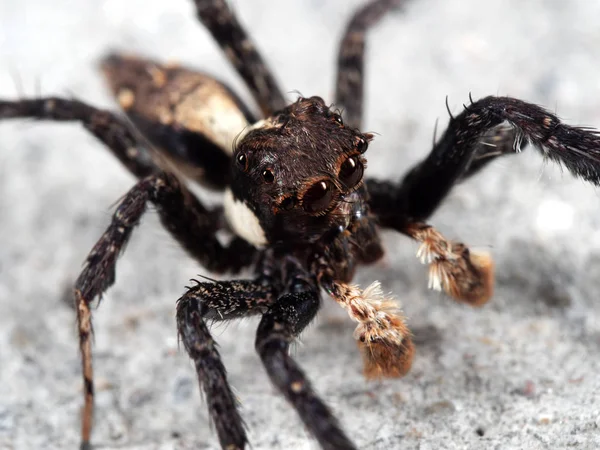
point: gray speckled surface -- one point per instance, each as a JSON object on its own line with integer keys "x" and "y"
{"x": 523, "y": 370}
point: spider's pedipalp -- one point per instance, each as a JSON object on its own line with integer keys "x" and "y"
{"x": 465, "y": 275}
{"x": 382, "y": 335}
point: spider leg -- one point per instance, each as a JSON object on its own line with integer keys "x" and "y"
{"x": 278, "y": 328}
{"x": 219, "y": 301}
{"x": 222, "y": 23}
{"x": 427, "y": 184}
{"x": 350, "y": 76}
{"x": 104, "y": 125}
{"x": 187, "y": 221}
{"x": 190, "y": 117}
{"x": 499, "y": 141}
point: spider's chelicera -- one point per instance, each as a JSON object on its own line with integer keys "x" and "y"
{"x": 300, "y": 213}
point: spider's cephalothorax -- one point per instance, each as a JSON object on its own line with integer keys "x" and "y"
{"x": 301, "y": 213}
{"x": 300, "y": 172}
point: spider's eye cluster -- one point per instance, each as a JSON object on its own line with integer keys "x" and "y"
{"x": 267, "y": 175}
{"x": 318, "y": 197}
{"x": 351, "y": 172}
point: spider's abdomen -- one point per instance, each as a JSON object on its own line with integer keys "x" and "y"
{"x": 191, "y": 116}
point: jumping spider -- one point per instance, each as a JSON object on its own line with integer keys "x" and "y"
{"x": 299, "y": 210}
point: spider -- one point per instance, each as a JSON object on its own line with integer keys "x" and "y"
{"x": 296, "y": 202}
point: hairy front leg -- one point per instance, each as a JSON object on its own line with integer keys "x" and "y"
{"x": 219, "y": 301}
{"x": 428, "y": 183}
{"x": 188, "y": 222}
{"x": 279, "y": 327}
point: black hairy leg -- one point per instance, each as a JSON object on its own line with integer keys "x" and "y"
{"x": 222, "y": 23}
{"x": 219, "y": 301}
{"x": 278, "y": 328}
{"x": 351, "y": 59}
{"x": 428, "y": 183}
{"x": 499, "y": 141}
{"x": 104, "y": 125}
{"x": 192, "y": 225}
{"x": 284, "y": 317}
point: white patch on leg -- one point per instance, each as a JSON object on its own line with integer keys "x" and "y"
{"x": 243, "y": 221}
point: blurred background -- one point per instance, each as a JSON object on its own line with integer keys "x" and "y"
{"x": 519, "y": 373}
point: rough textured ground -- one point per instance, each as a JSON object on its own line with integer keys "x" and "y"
{"x": 520, "y": 373}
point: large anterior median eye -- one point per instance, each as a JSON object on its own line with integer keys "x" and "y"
{"x": 351, "y": 172}
{"x": 318, "y": 197}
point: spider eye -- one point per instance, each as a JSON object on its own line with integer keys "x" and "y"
{"x": 351, "y": 172}
{"x": 242, "y": 161}
{"x": 267, "y": 176}
{"x": 318, "y": 197}
{"x": 362, "y": 144}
